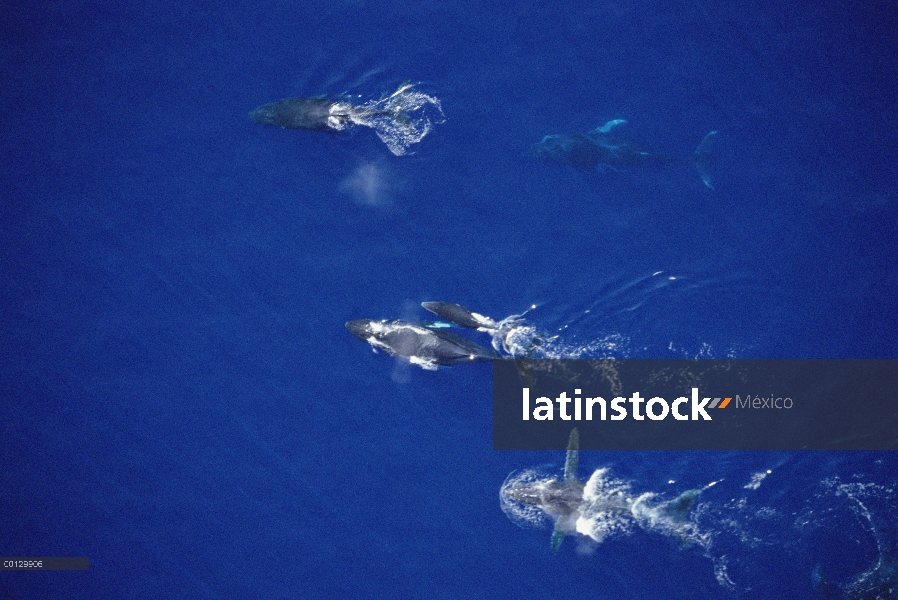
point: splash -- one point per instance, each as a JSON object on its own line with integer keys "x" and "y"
{"x": 516, "y": 337}
{"x": 596, "y": 331}
{"x": 401, "y": 119}
{"x": 519, "y": 338}
{"x": 609, "y": 508}
{"x": 756, "y": 480}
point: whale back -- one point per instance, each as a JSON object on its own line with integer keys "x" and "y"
{"x": 314, "y": 113}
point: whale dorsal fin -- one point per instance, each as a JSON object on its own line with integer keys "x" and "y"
{"x": 573, "y": 459}
{"x": 610, "y": 125}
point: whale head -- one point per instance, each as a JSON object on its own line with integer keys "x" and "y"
{"x": 360, "y": 328}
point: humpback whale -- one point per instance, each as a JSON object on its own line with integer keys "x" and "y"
{"x": 318, "y": 113}
{"x": 461, "y": 316}
{"x": 570, "y": 501}
{"x": 559, "y": 499}
{"x": 599, "y": 147}
{"x": 419, "y": 343}
{"x": 399, "y": 119}
{"x": 507, "y": 334}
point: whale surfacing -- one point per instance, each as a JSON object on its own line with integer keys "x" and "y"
{"x": 419, "y": 344}
{"x": 319, "y": 113}
{"x": 509, "y": 335}
{"x": 461, "y": 316}
{"x": 594, "y": 508}
{"x": 399, "y": 119}
{"x": 561, "y": 500}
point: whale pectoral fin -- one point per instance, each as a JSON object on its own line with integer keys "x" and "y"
{"x": 610, "y": 125}
{"x": 557, "y": 538}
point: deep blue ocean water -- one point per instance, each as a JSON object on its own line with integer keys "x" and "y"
{"x": 182, "y": 404}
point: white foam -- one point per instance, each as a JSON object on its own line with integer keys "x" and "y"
{"x": 401, "y": 119}
{"x": 427, "y": 365}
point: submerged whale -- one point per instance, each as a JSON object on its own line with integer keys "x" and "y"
{"x": 878, "y": 581}
{"x": 599, "y": 147}
{"x": 569, "y": 500}
{"x": 419, "y": 343}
